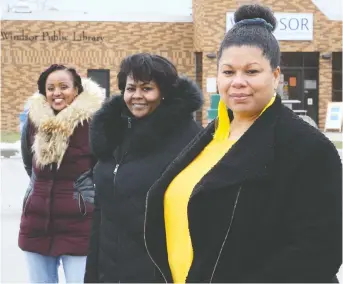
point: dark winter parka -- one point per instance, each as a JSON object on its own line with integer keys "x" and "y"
{"x": 269, "y": 212}
{"x": 132, "y": 155}
{"x": 58, "y": 205}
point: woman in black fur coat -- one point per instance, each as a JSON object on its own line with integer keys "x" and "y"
{"x": 135, "y": 136}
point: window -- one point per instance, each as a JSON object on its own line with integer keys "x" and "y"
{"x": 291, "y": 59}
{"x": 311, "y": 59}
{"x": 337, "y": 76}
{"x": 300, "y": 59}
{"x": 337, "y": 61}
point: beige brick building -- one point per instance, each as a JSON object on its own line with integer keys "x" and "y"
{"x": 312, "y": 67}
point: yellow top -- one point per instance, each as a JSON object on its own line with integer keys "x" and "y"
{"x": 179, "y": 244}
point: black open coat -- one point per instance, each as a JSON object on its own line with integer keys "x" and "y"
{"x": 269, "y": 211}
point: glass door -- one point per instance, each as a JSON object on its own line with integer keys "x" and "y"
{"x": 291, "y": 88}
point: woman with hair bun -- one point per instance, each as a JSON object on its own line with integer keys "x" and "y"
{"x": 58, "y": 204}
{"x": 256, "y": 196}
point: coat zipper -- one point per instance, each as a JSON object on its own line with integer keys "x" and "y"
{"x": 84, "y": 213}
{"x": 115, "y": 171}
{"x": 146, "y": 247}
{"x": 226, "y": 235}
{"x": 146, "y": 204}
{"x": 51, "y": 204}
{"x": 50, "y": 195}
{"x": 145, "y": 220}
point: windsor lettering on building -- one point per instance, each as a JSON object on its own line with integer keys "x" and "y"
{"x": 290, "y": 26}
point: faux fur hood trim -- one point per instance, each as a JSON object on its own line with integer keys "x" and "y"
{"x": 108, "y": 126}
{"x": 53, "y": 131}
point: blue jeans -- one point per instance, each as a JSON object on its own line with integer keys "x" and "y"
{"x": 44, "y": 269}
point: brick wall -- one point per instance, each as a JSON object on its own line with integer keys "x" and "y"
{"x": 198, "y": 21}
{"x": 210, "y": 25}
{"x": 325, "y": 89}
{"x": 23, "y": 61}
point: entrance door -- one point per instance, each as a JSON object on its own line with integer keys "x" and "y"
{"x": 102, "y": 77}
{"x": 302, "y": 85}
{"x": 292, "y": 87}
{"x": 311, "y": 93}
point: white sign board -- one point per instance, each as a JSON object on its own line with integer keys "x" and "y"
{"x": 334, "y": 116}
{"x": 310, "y": 84}
{"x": 211, "y": 85}
{"x": 290, "y": 26}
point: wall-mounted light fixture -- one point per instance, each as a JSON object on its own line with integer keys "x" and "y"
{"x": 211, "y": 55}
{"x": 327, "y": 55}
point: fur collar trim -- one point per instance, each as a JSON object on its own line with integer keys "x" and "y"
{"x": 109, "y": 126}
{"x": 53, "y": 131}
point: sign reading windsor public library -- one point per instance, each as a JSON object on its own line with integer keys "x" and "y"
{"x": 50, "y": 36}
{"x": 290, "y": 26}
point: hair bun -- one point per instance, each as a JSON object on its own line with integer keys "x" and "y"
{"x": 254, "y": 11}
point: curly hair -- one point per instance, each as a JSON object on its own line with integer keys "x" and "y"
{"x": 55, "y": 67}
{"x": 146, "y": 67}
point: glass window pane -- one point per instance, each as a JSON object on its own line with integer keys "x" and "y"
{"x": 337, "y": 81}
{"x": 291, "y": 59}
{"x": 311, "y": 59}
{"x": 337, "y": 61}
{"x": 311, "y": 74}
{"x": 337, "y": 96}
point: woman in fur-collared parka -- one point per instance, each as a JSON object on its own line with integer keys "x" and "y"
{"x": 58, "y": 205}
{"x": 135, "y": 136}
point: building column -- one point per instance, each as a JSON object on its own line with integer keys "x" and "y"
{"x": 325, "y": 88}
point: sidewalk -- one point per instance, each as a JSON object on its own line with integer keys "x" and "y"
{"x": 13, "y": 149}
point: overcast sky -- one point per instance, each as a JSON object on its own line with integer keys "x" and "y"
{"x": 171, "y": 7}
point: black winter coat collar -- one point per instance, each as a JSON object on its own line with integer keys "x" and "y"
{"x": 110, "y": 123}
{"x": 242, "y": 161}
{"x": 246, "y": 160}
